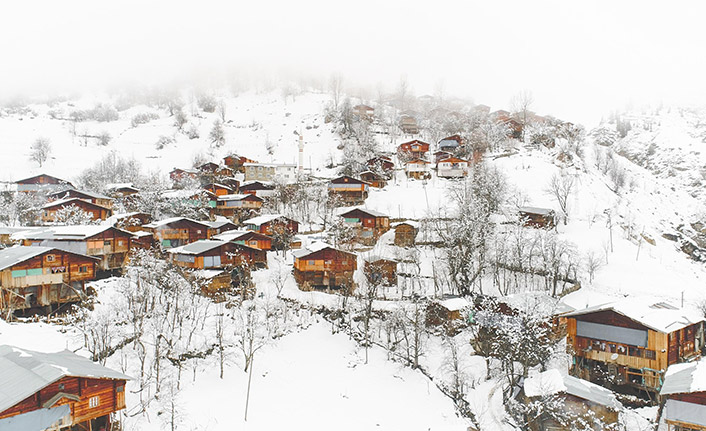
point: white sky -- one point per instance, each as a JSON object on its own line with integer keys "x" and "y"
{"x": 580, "y": 59}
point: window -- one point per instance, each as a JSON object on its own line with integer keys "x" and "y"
{"x": 83, "y": 269}
{"x": 650, "y": 354}
{"x": 106, "y": 243}
{"x": 94, "y": 402}
{"x": 311, "y": 263}
{"x": 50, "y": 258}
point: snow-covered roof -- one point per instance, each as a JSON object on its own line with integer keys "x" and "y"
{"x": 230, "y": 235}
{"x": 367, "y": 211}
{"x": 24, "y": 372}
{"x": 311, "y": 248}
{"x": 552, "y": 382}
{"x": 207, "y": 273}
{"x": 233, "y": 197}
{"x": 7, "y": 230}
{"x": 658, "y": 316}
{"x": 218, "y": 223}
{"x": 83, "y": 192}
{"x": 271, "y": 165}
{"x": 66, "y": 233}
{"x": 454, "y": 304}
{"x": 69, "y": 201}
{"x": 14, "y": 255}
{"x": 262, "y": 219}
{"x": 412, "y": 223}
{"x": 115, "y": 186}
{"x": 197, "y": 247}
{"x": 183, "y": 193}
{"x": 536, "y": 210}
{"x": 685, "y": 378}
{"x": 170, "y": 220}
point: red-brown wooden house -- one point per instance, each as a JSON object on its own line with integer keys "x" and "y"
{"x": 42, "y": 182}
{"x": 323, "y": 267}
{"x": 368, "y": 224}
{"x": 51, "y": 210}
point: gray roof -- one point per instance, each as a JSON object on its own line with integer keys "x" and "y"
{"x": 67, "y": 233}
{"x": 24, "y": 372}
{"x": 367, "y": 211}
{"x": 590, "y": 391}
{"x": 197, "y": 247}
{"x": 685, "y": 378}
{"x": 12, "y": 256}
{"x": 87, "y": 193}
{"x": 536, "y": 210}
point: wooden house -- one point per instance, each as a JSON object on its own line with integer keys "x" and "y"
{"x": 246, "y": 237}
{"x": 236, "y": 162}
{"x": 131, "y": 222}
{"x": 57, "y": 391}
{"x": 257, "y": 188}
{"x": 375, "y": 180}
{"x": 107, "y": 243}
{"x": 364, "y": 111}
{"x": 380, "y": 271}
{"x": 42, "y": 183}
{"x": 417, "y": 169}
{"x": 142, "y": 240}
{"x": 574, "y": 401}
{"x": 177, "y": 231}
{"x": 122, "y": 190}
{"x": 42, "y": 277}
{"x": 481, "y": 109}
{"x": 51, "y": 211}
{"x": 537, "y": 217}
{"x": 369, "y": 225}
{"x": 451, "y": 143}
{"x": 219, "y": 226}
{"x": 213, "y": 281}
{"x": 411, "y": 150}
{"x": 220, "y": 189}
{"x": 448, "y": 312}
{"x": 236, "y": 205}
{"x": 178, "y": 175}
{"x": 191, "y": 198}
{"x": 381, "y": 165}
{"x": 684, "y": 398}
{"x": 209, "y": 254}
{"x": 321, "y": 266}
{"x": 95, "y": 198}
{"x": 629, "y": 344}
{"x": 408, "y": 125}
{"x": 452, "y": 167}
{"x": 6, "y": 234}
{"x": 349, "y": 190}
{"x": 271, "y": 224}
{"x": 406, "y": 233}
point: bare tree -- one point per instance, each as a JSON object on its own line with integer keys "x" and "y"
{"x": 561, "y": 188}
{"x": 40, "y": 150}
{"x": 336, "y": 88}
{"x": 217, "y": 135}
{"x": 520, "y": 105}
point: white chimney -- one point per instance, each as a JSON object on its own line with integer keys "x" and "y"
{"x": 301, "y": 152}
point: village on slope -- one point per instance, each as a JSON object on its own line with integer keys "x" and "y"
{"x": 469, "y": 247}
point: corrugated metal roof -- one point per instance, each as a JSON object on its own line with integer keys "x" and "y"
{"x": 265, "y": 218}
{"x": 24, "y": 372}
{"x": 536, "y": 210}
{"x": 84, "y": 192}
{"x": 552, "y": 381}
{"x": 14, "y": 255}
{"x": 685, "y": 378}
{"x": 167, "y": 221}
{"x": 67, "y": 233}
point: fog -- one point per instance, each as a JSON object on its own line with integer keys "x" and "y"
{"x": 579, "y": 59}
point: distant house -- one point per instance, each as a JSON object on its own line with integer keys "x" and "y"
{"x": 107, "y": 243}
{"x": 51, "y": 391}
{"x": 375, "y": 180}
{"x": 257, "y": 188}
{"x": 271, "y": 224}
{"x": 684, "y": 397}
{"x": 285, "y": 172}
{"x": 574, "y": 400}
{"x": 51, "y": 211}
{"x": 220, "y": 189}
{"x": 193, "y": 198}
{"x": 629, "y": 343}
{"x": 481, "y": 109}
{"x": 415, "y": 149}
{"x": 405, "y": 233}
{"x": 121, "y": 190}
{"x": 6, "y": 234}
{"x": 177, "y": 174}
{"x": 408, "y": 125}
{"x": 417, "y": 169}
{"x": 369, "y": 225}
{"x": 236, "y": 205}
{"x": 211, "y": 169}
{"x": 177, "y": 231}
{"x": 42, "y": 277}
{"x": 364, "y": 111}
{"x": 219, "y": 226}
{"x": 131, "y": 222}
{"x": 381, "y": 164}
{"x": 95, "y": 198}
{"x": 321, "y": 266}
{"x": 246, "y": 237}
{"x": 236, "y": 162}
{"x": 452, "y": 167}
{"x": 447, "y": 312}
{"x": 42, "y": 183}
{"x": 451, "y": 143}
{"x": 537, "y": 217}
{"x": 380, "y": 271}
{"x": 349, "y": 190}
{"x": 209, "y": 254}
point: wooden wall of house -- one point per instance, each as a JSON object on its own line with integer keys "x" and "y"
{"x": 405, "y": 235}
{"x": 110, "y": 393}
